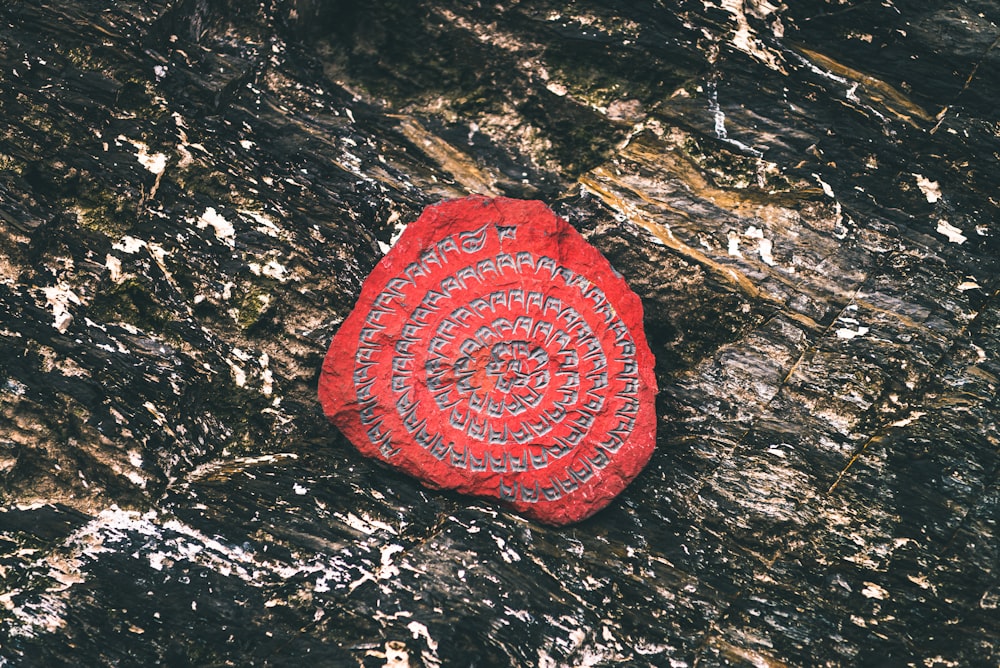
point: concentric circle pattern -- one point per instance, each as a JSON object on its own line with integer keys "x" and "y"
{"x": 493, "y": 358}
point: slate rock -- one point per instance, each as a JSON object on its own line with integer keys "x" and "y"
{"x": 493, "y": 351}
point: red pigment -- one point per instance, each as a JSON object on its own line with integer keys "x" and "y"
{"x": 494, "y": 352}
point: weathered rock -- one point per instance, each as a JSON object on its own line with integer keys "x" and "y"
{"x": 495, "y": 352}
{"x": 802, "y": 194}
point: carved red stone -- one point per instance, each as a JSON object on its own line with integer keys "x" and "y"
{"x": 493, "y": 351}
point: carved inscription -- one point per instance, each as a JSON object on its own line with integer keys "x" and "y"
{"x": 506, "y": 362}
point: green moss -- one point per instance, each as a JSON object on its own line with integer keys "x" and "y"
{"x": 592, "y": 86}
{"x": 732, "y": 170}
{"x": 11, "y": 164}
{"x": 240, "y": 409}
{"x": 253, "y": 306}
{"x": 481, "y": 100}
{"x": 132, "y": 302}
{"x": 83, "y": 57}
{"x": 41, "y": 118}
{"x": 580, "y": 138}
{"x": 105, "y": 211}
{"x": 211, "y": 182}
{"x": 618, "y": 75}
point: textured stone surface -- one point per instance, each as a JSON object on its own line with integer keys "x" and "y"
{"x": 494, "y": 352}
{"x": 802, "y": 194}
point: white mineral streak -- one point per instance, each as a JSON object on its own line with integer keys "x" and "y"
{"x": 396, "y": 655}
{"x": 136, "y": 479}
{"x": 164, "y": 541}
{"x": 873, "y": 590}
{"x": 265, "y": 301}
{"x": 980, "y": 354}
{"x": 239, "y": 373}
{"x": 508, "y": 554}
{"x": 158, "y": 417}
{"x": 394, "y": 219}
{"x": 909, "y": 419}
{"x": 266, "y": 375}
{"x": 764, "y": 248}
{"x": 58, "y": 298}
{"x": 32, "y": 618}
{"x": 114, "y": 267}
{"x": 720, "y": 123}
{"x": 939, "y": 660}
{"x": 18, "y": 388}
{"x": 930, "y": 189}
{"x": 824, "y": 185}
{"x": 363, "y": 524}
{"x": 556, "y": 88}
{"x": 182, "y": 146}
{"x": 764, "y": 245}
{"x": 210, "y": 469}
{"x": 265, "y": 224}
{"x": 718, "y": 115}
{"x": 990, "y": 599}
{"x": 154, "y": 162}
{"x": 272, "y": 269}
{"x": 955, "y": 235}
{"x": 420, "y": 631}
{"x": 129, "y": 245}
{"x": 744, "y": 38}
{"x": 388, "y": 570}
{"x": 734, "y": 243}
{"x": 224, "y": 229}
{"x": 847, "y": 333}
{"x": 160, "y": 254}
{"x": 840, "y": 231}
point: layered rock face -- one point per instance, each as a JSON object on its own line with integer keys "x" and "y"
{"x": 803, "y": 198}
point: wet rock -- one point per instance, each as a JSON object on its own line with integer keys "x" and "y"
{"x": 803, "y": 196}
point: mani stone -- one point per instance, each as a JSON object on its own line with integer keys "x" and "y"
{"x": 494, "y": 352}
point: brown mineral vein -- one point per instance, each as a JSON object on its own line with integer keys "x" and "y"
{"x": 880, "y": 91}
{"x": 968, "y": 81}
{"x": 744, "y": 654}
{"x": 604, "y": 184}
{"x": 668, "y": 157}
{"x": 740, "y": 206}
{"x": 879, "y": 434}
{"x": 456, "y": 163}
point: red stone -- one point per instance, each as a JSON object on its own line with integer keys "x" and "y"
{"x": 495, "y": 352}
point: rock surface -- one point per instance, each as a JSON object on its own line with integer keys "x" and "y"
{"x": 494, "y": 352}
{"x": 803, "y": 196}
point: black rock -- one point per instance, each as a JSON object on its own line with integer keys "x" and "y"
{"x": 804, "y": 196}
